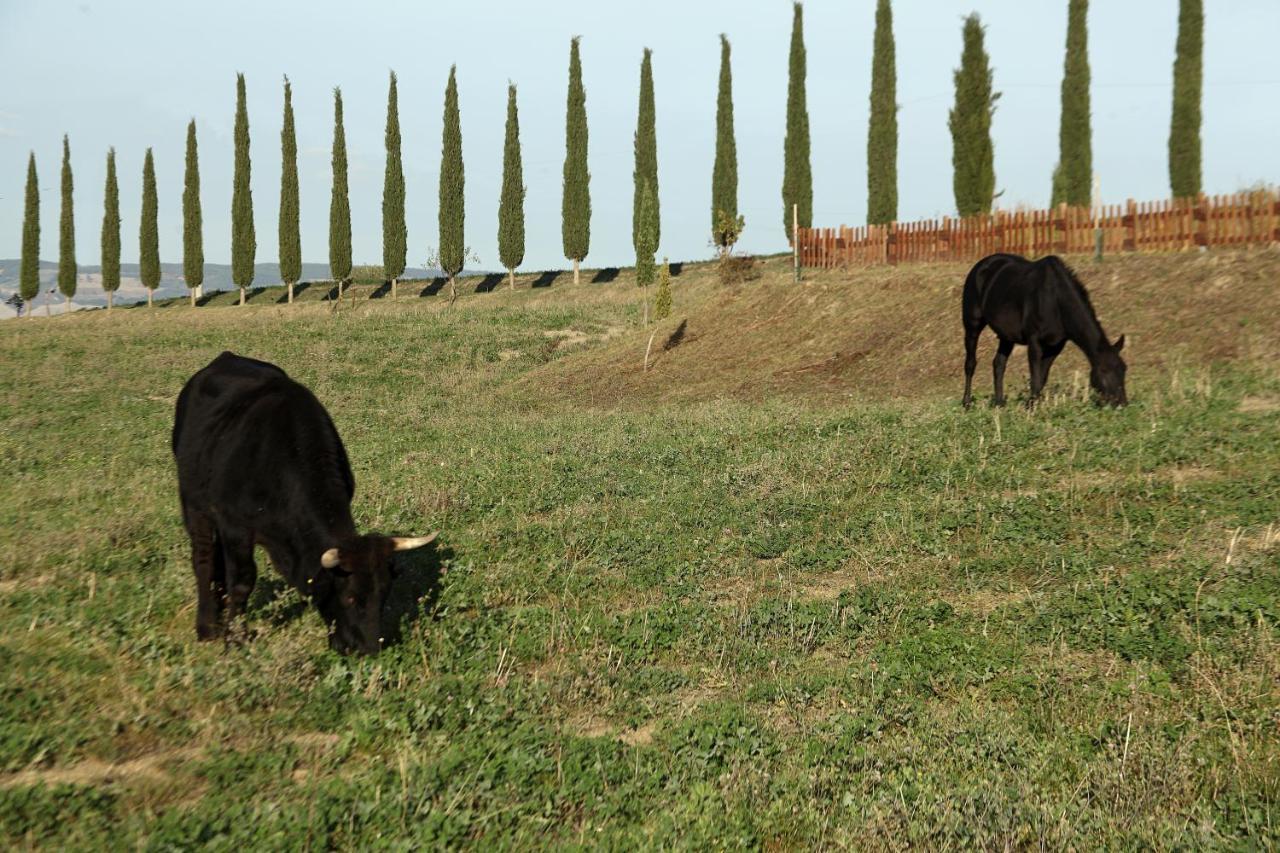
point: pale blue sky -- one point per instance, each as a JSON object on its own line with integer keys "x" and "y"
{"x": 130, "y": 74}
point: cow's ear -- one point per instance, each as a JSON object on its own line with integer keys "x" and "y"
{"x": 1119, "y": 344}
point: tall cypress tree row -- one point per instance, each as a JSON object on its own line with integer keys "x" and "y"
{"x": 1073, "y": 177}
{"x": 289, "y": 231}
{"x": 511, "y": 205}
{"x": 797, "y": 177}
{"x": 882, "y": 133}
{"x": 192, "y": 219}
{"x": 29, "y": 269}
{"x": 111, "y": 232}
{"x": 339, "y": 203}
{"x": 724, "y": 175}
{"x": 575, "y": 208}
{"x": 244, "y": 243}
{"x": 646, "y": 147}
{"x": 972, "y": 155}
{"x": 67, "y": 232}
{"x": 395, "y": 234}
{"x": 453, "y": 247}
{"x": 1188, "y": 76}
{"x": 149, "y": 231}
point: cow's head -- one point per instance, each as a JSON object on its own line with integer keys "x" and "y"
{"x": 362, "y": 571}
{"x": 1106, "y": 373}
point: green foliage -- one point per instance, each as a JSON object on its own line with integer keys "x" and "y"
{"x": 67, "y": 231}
{"x": 724, "y": 175}
{"x": 453, "y": 248}
{"x": 395, "y": 234}
{"x": 149, "y": 228}
{"x": 1188, "y": 78}
{"x": 972, "y": 156}
{"x": 111, "y": 228}
{"x": 339, "y": 203}
{"x": 797, "y": 175}
{"x": 29, "y": 274}
{"x": 575, "y": 209}
{"x": 192, "y": 223}
{"x": 646, "y": 237}
{"x": 289, "y": 230}
{"x": 662, "y": 299}
{"x": 1074, "y": 184}
{"x": 646, "y": 152}
{"x": 244, "y": 243}
{"x": 511, "y": 204}
{"x": 882, "y": 134}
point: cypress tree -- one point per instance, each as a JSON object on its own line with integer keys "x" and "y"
{"x": 192, "y": 219}
{"x": 67, "y": 231}
{"x": 29, "y": 270}
{"x": 575, "y": 209}
{"x": 244, "y": 244}
{"x": 339, "y": 204}
{"x": 646, "y": 147}
{"x": 724, "y": 175}
{"x": 395, "y": 234}
{"x": 662, "y": 301}
{"x": 1188, "y": 76}
{"x": 149, "y": 232}
{"x": 452, "y": 203}
{"x": 511, "y": 205}
{"x": 972, "y": 156}
{"x": 882, "y": 133}
{"x": 797, "y": 178}
{"x": 111, "y": 232}
{"x": 646, "y": 243}
{"x": 289, "y": 232}
{"x": 1074, "y": 177}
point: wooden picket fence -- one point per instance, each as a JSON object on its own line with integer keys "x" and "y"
{"x": 1243, "y": 219}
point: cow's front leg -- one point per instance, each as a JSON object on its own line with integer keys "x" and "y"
{"x": 211, "y": 582}
{"x": 242, "y": 572}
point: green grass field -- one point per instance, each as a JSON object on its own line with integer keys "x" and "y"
{"x": 761, "y": 595}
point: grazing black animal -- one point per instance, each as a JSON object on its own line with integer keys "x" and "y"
{"x": 1042, "y": 305}
{"x": 260, "y": 463}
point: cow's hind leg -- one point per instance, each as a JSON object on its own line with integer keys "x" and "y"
{"x": 242, "y": 572}
{"x": 971, "y": 335}
{"x": 210, "y": 571}
{"x": 997, "y": 370}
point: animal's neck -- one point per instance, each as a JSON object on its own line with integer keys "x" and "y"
{"x": 301, "y": 546}
{"x": 1083, "y": 328}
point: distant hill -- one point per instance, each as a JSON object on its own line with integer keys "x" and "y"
{"x": 89, "y": 293}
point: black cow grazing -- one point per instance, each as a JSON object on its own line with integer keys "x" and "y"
{"x": 260, "y": 463}
{"x": 1042, "y": 305}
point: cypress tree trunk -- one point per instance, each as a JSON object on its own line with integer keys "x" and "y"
{"x": 511, "y": 204}
{"x": 797, "y": 177}
{"x": 452, "y": 203}
{"x": 724, "y": 175}
{"x": 1073, "y": 183}
{"x": 29, "y": 271}
{"x": 646, "y": 149}
{"x": 1188, "y": 75}
{"x": 882, "y": 134}
{"x": 67, "y": 232}
{"x": 395, "y": 234}
{"x": 244, "y": 243}
{"x": 111, "y": 232}
{"x": 149, "y": 232}
{"x": 972, "y": 155}
{"x": 289, "y": 233}
{"x": 339, "y": 203}
{"x": 575, "y": 210}
{"x": 192, "y": 219}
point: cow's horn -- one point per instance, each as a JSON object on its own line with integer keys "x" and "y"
{"x": 408, "y": 543}
{"x": 330, "y": 559}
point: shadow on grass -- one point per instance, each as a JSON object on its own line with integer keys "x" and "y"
{"x": 252, "y": 293}
{"x": 209, "y": 297}
{"x": 546, "y": 278}
{"x": 605, "y": 275}
{"x": 297, "y": 291}
{"x": 676, "y": 337}
{"x": 676, "y": 268}
{"x": 489, "y": 282}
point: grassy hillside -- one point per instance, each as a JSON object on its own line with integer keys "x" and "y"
{"x": 779, "y": 590}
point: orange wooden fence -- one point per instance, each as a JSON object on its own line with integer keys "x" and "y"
{"x": 1243, "y": 219}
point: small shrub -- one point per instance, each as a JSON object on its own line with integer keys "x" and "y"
{"x": 737, "y": 269}
{"x": 662, "y": 302}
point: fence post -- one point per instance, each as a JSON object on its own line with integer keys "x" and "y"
{"x": 1130, "y": 223}
{"x": 1060, "y": 230}
{"x": 1200, "y": 222}
{"x": 891, "y": 243}
{"x": 1275, "y": 219}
